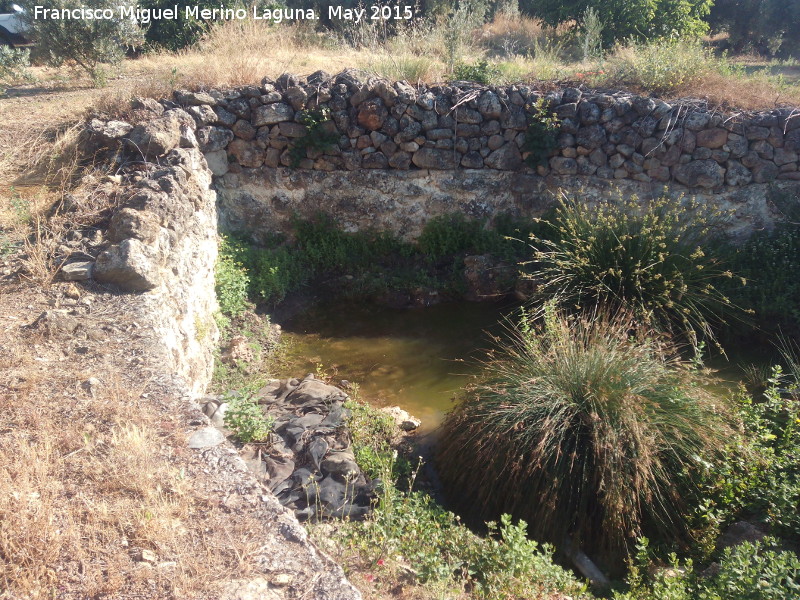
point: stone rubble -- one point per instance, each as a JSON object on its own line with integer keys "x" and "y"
{"x": 308, "y": 460}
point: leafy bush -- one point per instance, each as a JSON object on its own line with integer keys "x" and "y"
{"x": 174, "y": 34}
{"x": 662, "y": 66}
{"x": 768, "y": 27}
{"x": 14, "y": 64}
{"x": 582, "y": 431}
{"x": 231, "y": 276}
{"x": 760, "y": 476}
{"x": 541, "y": 134}
{"x": 89, "y": 43}
{"x": 652, "y": 259}
{"x": 441, "y": 550}
{"x": 749, "y": 571}
{"x": 480, "y": 72}
{"x": 770, "y": 262}
{"x": 246, "y": 419}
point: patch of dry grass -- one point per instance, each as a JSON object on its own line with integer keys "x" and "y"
{"x": 95, "y": 500}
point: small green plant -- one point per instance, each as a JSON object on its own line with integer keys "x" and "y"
{"x": 319, "y": 136}
{"x": 481, "y": 72}
{"x": 232, "y": 280}
{"x": 592, "y": 35}
{"x": 654, "y": 259}
{"x": 541, "y": 134}
{"x": 599, "y": 435}
{"x": 246, "y": 419}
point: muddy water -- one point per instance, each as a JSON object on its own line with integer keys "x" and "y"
{"x": 417, "y": 359}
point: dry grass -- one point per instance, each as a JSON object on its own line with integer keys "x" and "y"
{"x": 90, "y": 477}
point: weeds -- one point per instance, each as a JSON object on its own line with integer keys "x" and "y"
{"x": 583, "y": 431}
{"x": 246, "y": 420}
{"x": 655, "y": 261}
{"x": 408, "y": 532}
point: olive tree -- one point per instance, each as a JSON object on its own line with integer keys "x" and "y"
{"x": 627, "y": 19}
{"x": 88, "y": 43}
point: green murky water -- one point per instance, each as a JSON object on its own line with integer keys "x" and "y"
{"x": 419, "y": 359}
{"x": 414, "y": 358}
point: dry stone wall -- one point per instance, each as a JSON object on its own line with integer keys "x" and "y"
{"x": 383, "y": 125}
{"x": 400, "y": 155}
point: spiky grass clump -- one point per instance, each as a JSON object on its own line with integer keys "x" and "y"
{"x": 650, "y": 258}
{"x": 585, "y": 433}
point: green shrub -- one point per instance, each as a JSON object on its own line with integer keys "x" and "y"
{"x": 654, "y": 259}
{"x": 232, "y": 281}
{"x": 175, "y": 34}
{"x": 760, "y": 476}
{"x": 541, "y": 134}
{"x": 480, "y": 72}
{"x": 442, "y": 551}
{"x": 582, "y": 431}
{"x": 748, "y": 571}
{"x": 662, "y": 66}
{"x": 319, "y": 136}
{"x": 89, "y": 43}
{"x": 626, "y": 19}
{"x": 14, "y": 65}
{"x": 274, "y": 272}
{"x": 246, "y": 419}
{"x": 770, "y": 262}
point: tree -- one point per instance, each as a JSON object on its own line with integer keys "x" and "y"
{"x": 89, "y": 43}
{"x": 770, "y": 27}
{"x": 624, "y": 19}
{"x": 174, "y": 34}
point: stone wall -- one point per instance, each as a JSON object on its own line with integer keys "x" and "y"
{"x": 383, "y": 125}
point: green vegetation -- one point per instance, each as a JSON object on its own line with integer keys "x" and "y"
{"x": 770, "y": 27}
{"x": 408, "y": 530}
{"x": 770, "y": 262}
{"x": 760, "y": 476}
{"x": 174, "y": 34}
{"x": 319, "y": 135}
{"x": 88, "y": 43}
{"x": 628, "y": 19}
{"x": 655, "y": 261}
{"x": 369, "y": 263}
{"x": 246, "y": 420}
{"x": 480, "y": 72}
{"x": 609, "y": 433}
{"x": 14, "y": 66}
{"x": 540, "y": 137}
{"x": 664, "y": 66}
{"x": 749, "y": 571}
{"x": 232, "y": 280}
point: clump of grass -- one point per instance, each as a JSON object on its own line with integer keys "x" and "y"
{"x": 653, "y": 260}
{"x": 584, "y": 432}
{"x": 661, "y": 66}
{"x": 403, "y": 67}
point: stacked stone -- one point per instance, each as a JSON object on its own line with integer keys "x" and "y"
{"x": 383, "y": 125}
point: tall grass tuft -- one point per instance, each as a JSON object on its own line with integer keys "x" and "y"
{"x": 584, "y": 432}
{"x": 651, "y": 258}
